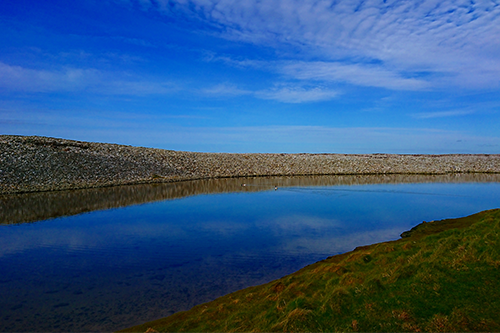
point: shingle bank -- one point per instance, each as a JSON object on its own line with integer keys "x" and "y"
{"x": 32, "y": 163}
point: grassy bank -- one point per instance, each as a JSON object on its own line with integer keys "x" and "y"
{"x": 440, "y": 276}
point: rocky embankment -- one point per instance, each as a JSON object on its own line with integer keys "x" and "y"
{"x": 30, "y": 164}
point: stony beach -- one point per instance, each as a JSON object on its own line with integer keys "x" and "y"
{"x": 33, "y": 164}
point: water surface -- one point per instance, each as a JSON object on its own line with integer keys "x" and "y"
{"x": 105, "y": 259}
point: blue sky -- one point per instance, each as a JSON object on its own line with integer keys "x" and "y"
{"x": 255, "y": 76}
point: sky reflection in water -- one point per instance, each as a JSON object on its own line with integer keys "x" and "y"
{"x": 110, "y": 269}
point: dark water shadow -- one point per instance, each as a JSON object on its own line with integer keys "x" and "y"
{"x": 32, "y": 207}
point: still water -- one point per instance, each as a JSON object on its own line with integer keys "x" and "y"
{"x": 106, "y": 259}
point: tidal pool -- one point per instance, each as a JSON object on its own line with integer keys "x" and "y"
{"x": 106, "y": 259}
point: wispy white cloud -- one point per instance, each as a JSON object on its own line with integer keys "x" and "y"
{"x": 456, "y": 41}
{"x": 282, "y": 92}
{"x": 285, "y": 93}
{"x": 240, "y": 63}
{"x": 225, "y": 90}
{"x": 39, "y": 80}
{"x": 442, "y": 114}
{"x": 290, "y": 94}
{"x": 364, "y": 75}
{"x": 22, "y": 79}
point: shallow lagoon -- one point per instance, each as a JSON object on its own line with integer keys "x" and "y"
{"x": 122, "y": 256}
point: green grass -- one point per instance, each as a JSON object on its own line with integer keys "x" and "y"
{"x": 441, "y": 276}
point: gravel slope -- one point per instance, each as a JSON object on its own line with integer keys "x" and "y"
{"x": 32, "y": 163}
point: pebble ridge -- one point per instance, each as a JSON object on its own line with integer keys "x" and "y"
{"x": 34, "y": 163}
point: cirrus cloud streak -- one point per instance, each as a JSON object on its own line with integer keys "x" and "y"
{"x": 457, "y": 42}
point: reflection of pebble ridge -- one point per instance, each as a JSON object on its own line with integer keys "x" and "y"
{"x": 30, "y": 207}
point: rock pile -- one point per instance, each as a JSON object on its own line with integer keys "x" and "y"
{"x": 31, "y": 163}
